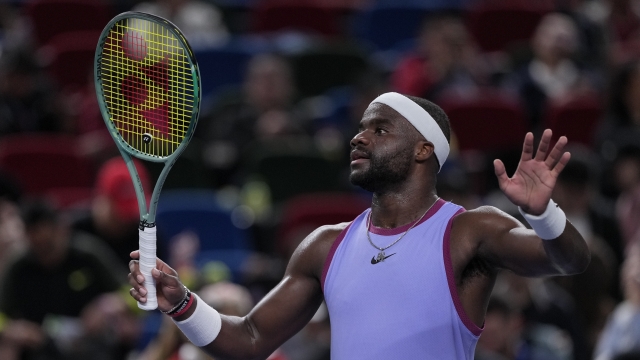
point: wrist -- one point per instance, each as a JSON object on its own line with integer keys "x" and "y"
{"x": 189, "y": 311}
{"x": 203, "y": 325}
{"x": 182, "y": 306}
{"x": 549, "y": 224}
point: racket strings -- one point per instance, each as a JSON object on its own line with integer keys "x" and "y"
{"x": 148, "y": 86}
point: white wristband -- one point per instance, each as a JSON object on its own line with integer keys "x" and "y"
{"x": 203, "y": 326}
{"x": 548, "y": 225}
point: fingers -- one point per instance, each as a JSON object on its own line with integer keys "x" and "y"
{"x": 136, "y": 280}
{"x": 556, "y": 153}
{"x": 562, "y": 163}
{"x": 543, "y": 147}
{"x": 166, "y": 279}
{"x": 501, "y": 172}
{"x": 527, "y": 147}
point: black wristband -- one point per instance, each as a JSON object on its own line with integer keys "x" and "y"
{"x": 181, "y": 305}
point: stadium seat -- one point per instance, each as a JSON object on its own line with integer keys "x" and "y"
{"x": 306, "y": 16}
{"x": 71, "y": 198}
{"x": 224, "y": 67}
{"x": 577, "y": 119}
{"x": 53, "y": 17}
{"x": 44, "y": 162}
{"x": 198, "y": 211}
{"x": 71, "y": 56}
{"x": 304, "y": 213}
{"x": 487, "y": 121}
{"x": 497, "y": 24}
{"x": 385, "y": 25}
{"x": 320, "y": 69}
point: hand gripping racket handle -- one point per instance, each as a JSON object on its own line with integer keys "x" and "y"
{"x": 147, "y": 262}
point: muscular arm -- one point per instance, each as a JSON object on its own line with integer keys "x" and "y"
{"x": 486, "y": 239}
{"x": 506, "y": 243}
{"x": 282, "y": 313}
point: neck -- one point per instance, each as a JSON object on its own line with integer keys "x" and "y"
{"x": 391, "y": 209}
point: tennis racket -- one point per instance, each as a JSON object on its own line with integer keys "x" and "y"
{"x": 148, "y": 87}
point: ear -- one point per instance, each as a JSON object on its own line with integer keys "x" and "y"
{"x": 424, "y": 151}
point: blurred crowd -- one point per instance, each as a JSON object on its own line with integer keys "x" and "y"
{"x": 285, "y": 83}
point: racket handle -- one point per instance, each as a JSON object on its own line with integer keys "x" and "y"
{"x": 147, "y": 238}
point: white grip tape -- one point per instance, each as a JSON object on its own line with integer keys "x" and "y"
{"x": 203, "y": 326}
{"x": 548, "y": 225}
{"x": 147, "y": 238}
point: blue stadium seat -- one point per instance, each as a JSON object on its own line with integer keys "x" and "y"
{"x": 388, "y": 23}
{"x": 224, "y": 67}
{"x": 198, "y": 211}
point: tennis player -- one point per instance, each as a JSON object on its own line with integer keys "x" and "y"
{"x": 409, "y": 278}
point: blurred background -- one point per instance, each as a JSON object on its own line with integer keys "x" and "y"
{"x": 285, "y": 83}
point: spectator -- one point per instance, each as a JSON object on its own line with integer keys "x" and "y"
{"x": 27, "y": 101}
{"x": 200, "y": 21}
{"x": 444, "y": 58}
{"x": 552, "y": 74}
{"x": 621, "y": 126}
{"x": 12, "y": 233}
{"x": 55, "y": 277}
{"x": 623, "y": 25}
{"x": 626, "y": 172}
{"x": 114, "y": 216}
{"x": 549, "y": 312}
{"x": 264, "y": 112}
{"x": 594, "y": 289}
{"x": 506, "y": 338}
{"x": 622, "y": 332}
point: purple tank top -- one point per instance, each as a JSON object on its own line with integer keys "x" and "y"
{"x": 405, "y": 307}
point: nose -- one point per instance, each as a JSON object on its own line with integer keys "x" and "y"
{"x": 359, "y": 139}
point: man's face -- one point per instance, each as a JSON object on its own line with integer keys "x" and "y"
{"x": 383, "y": 149}
{"x": 47, "y": 242}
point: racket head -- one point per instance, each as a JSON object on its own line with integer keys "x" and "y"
{"x": 148, "y": 85}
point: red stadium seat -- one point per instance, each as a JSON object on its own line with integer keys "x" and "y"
{"x": 577, "y": 119}
{"x": 71, "y": 198}
{"x": 496, "y": 24}
{"x": 42, "y": 163}
{"x": 305, "y": 16}
{"x": 487, "y": 121}
{"x": 71, "y": 58}
{"x": 52, "y": 17}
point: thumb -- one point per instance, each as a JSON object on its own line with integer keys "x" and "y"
{"x": 169, "y": 285}
{"x": 165, "y": 279}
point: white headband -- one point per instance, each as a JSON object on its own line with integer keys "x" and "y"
{"x": 420, "y": 119}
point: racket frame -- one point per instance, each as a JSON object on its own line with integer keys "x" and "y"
{"x": 147, "y": 214}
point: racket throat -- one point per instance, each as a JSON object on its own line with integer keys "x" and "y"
{"x": 144, "y": 224}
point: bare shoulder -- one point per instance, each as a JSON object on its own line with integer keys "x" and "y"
{"x": 312, "y": 252}
{"x": 484, "y": 220}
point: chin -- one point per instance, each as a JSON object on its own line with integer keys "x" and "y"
{"x": 361, "y": 180}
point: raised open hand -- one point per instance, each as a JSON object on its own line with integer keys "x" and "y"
{"x": 531, "y": 185}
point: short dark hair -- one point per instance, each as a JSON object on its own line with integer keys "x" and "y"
{"x": 436, "y": 113}
{"x": 38, "y": 211}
